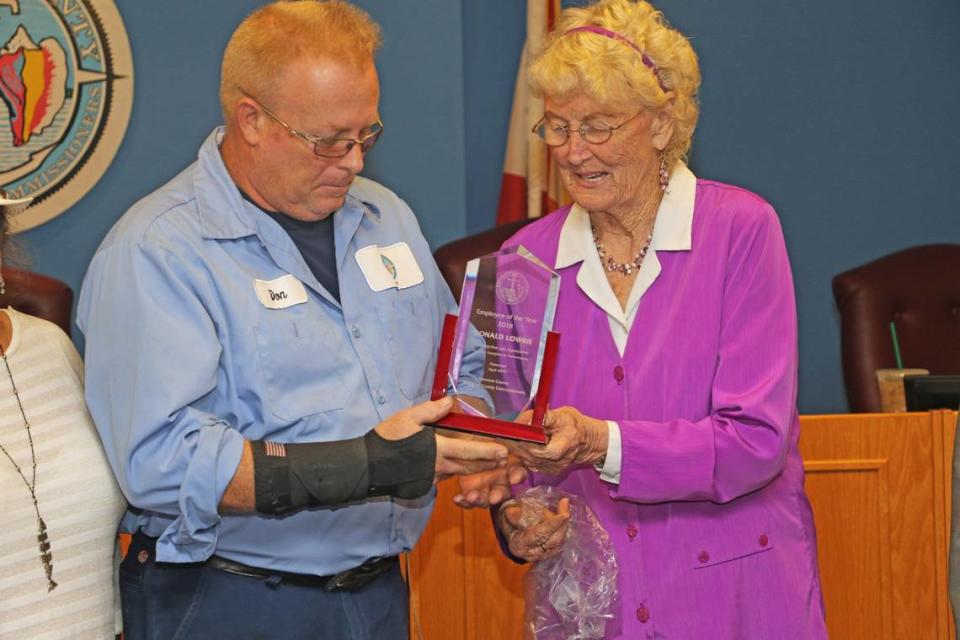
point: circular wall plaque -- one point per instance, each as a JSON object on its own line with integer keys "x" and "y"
{"x": 66, "y": 82}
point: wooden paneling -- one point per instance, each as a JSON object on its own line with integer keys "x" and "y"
{"x": 851, "y": 510}
{"x": 880, "y": 489}
{"x": 462, "y": 587}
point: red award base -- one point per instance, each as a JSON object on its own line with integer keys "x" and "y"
{"x": 532, "y": 432}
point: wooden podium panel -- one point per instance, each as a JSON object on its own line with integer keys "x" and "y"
{"x": 462, "y": 586}
{"x": 880, "y": 489}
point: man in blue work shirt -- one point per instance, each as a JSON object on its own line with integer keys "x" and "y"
{"x": 261, "y": 334}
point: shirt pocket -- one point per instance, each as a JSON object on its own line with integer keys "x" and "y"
{"x": 410, "y": 326}
{"x": 300, "y": 368}
{"x": 736, "y": 545}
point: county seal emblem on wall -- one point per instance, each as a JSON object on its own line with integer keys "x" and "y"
{"x": 66, "y": 82}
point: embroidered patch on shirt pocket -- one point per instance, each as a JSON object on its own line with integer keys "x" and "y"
{"x": 300, "y": 369}
{"x": 734, "y": 546}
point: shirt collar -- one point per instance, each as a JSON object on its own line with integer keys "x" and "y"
{"x": 671, "y": 230}
{"x": 225, "y": 214}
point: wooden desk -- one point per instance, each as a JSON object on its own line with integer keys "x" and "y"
{"x": 880, "y": 489}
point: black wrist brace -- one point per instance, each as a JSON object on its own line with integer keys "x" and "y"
{"x": 296, "y": 476}
{"x": 402, "y": 468}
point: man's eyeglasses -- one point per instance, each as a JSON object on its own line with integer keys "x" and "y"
{"x": 556, "y": 135}
{"x": 331, "y": 147}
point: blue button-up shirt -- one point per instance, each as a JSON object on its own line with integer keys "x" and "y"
{"x": 184, "y": 362}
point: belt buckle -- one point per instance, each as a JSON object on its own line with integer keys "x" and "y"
{"x": 357, "y": 577}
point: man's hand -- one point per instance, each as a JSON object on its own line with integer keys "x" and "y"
{"x": 455, "y": 456}
{"x": 573, "y": 439}
{"x": 484, "y": 488}
{"x": 477, "y": 404}
{"x": 535, "y": 538}
{"x": 407, "y": 422}
{"x": 490, "y": 487}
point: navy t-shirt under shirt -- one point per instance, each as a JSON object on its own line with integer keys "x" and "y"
{"x": 316, "y": 245}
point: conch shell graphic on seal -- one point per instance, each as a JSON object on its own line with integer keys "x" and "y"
{"x": 33, "y": 83}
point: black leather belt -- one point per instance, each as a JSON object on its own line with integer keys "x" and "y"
{"x": 349, "y": 580}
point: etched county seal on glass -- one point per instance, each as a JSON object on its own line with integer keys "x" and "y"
{"x": 506, "y": 313}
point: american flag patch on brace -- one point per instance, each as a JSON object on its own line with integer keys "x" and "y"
{"x": 275, "y": 449}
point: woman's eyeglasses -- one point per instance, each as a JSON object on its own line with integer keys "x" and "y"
{"x": 556, "y": 135}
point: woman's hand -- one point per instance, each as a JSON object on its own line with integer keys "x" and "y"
{"x": 533, "y": 532}
{"x": 573, "y": 439}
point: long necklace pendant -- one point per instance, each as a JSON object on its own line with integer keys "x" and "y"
{"x": 45, "y": 555}
{"x": 43, "y": 540}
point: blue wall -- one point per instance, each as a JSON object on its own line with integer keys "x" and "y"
{"x": 175, "y": 106}
{"x": 844, "y": 116}
{"x": 422, "y": 154}
{"x": 841, "y": 114}
{"x": 493, "y": 35}
{"x": 176, "y": 48}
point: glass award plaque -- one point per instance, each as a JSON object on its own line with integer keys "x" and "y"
{"x": 496, "y": 358}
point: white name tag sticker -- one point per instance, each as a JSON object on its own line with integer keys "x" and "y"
{"x": 404, "y": 263}
{"x": 388, "y": 267}
{"x": 281, "y": 293}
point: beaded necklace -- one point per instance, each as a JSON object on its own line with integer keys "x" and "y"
{"x": 43, "y": 540}
{"x": 626, "y": 268}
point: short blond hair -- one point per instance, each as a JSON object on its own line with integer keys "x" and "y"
{"x": 275, "y": 35}
{"x": 611, "y": 72}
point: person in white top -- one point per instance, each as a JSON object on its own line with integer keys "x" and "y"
{"x": 60, "y": 503}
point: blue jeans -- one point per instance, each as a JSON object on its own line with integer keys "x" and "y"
{"x": 181, "y": 602}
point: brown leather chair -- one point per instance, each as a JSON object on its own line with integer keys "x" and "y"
{"x": 919, "y": 290}
{"x": 452, "y": 257}
{"x": 38, "y": 295}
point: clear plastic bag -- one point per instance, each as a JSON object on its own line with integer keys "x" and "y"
{"x": 572, "y": 595}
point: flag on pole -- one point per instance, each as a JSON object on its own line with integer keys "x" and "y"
{"x": 531, "y": 186}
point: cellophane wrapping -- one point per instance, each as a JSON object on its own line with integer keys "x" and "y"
{"x": 573, "y": 594}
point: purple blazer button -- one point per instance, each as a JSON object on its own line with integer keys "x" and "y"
{"x": 618, "y": 373}
{"x": 631, "y": 531}
{"x": 703, "y": 557}
{"x": 764, "y": 540}
{"x": 643, "y": 614}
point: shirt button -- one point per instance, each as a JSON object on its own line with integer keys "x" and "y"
{"x": 631, "y": 531}
{"x": 356, "y": 332}
{"x": 764, "y": 540}
{"x": 703, "y": 557}
{"x": 380, "y": 398}
{"x": 618, "y": 373}
{"x": 643, "y": 614}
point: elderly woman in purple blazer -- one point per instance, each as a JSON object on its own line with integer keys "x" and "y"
{"x": 678, "y": 360}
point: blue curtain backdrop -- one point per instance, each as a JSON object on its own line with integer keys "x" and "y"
{"x": 843, "y": 115}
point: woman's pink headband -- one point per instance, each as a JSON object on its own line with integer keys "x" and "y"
{"x": 616, "y": 36}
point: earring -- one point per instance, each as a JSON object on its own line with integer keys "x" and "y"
{"x": 664, "y": 176}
